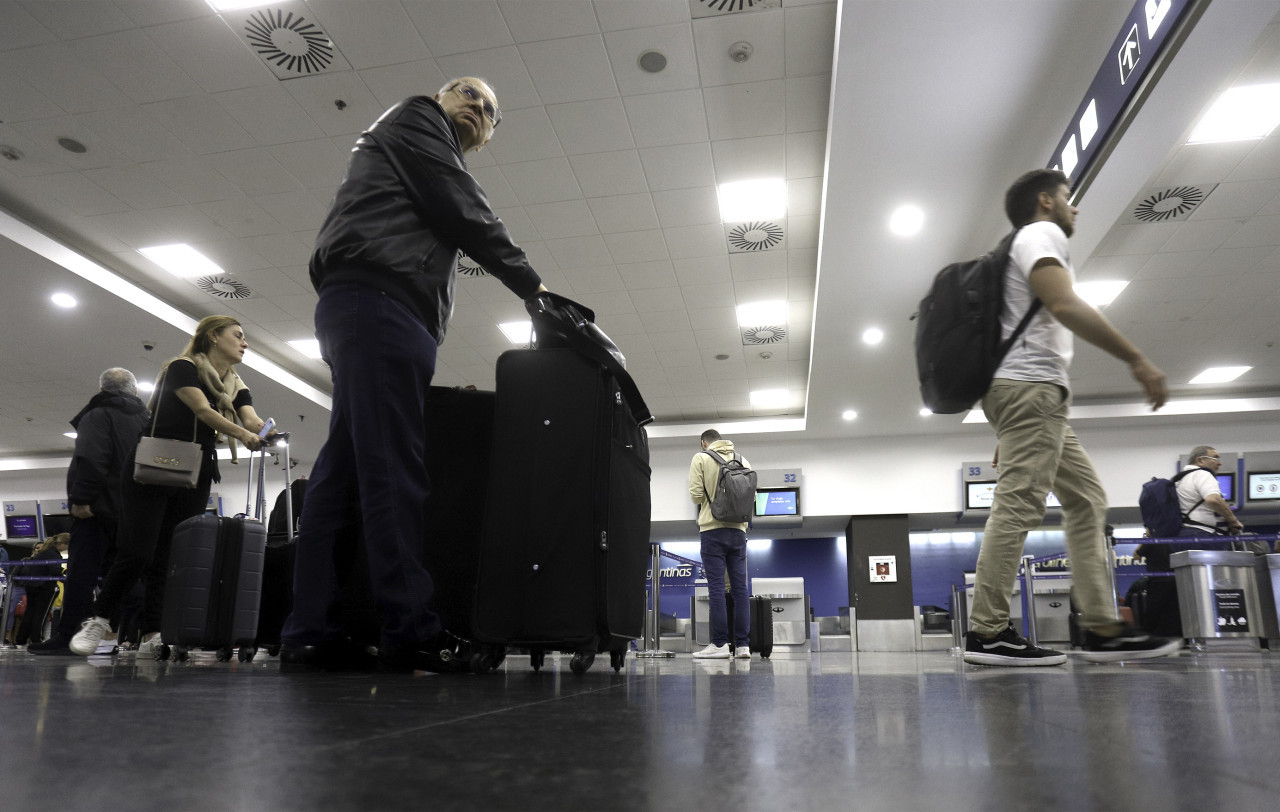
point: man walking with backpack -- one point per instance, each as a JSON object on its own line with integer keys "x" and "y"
{"x": 1027, "y": 405}
{"x": 722, "y": 485}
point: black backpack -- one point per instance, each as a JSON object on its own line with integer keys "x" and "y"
{"x": 1161, "y": 512}
{"x": 958, "y": 346}
{"x": 735, "y": 496}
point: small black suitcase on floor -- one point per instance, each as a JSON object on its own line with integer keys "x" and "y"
{"x": 566, "y": 533}
{"x": 214, "y": 585}
{"x": 760, "y": 638}
{"x": 1154, "y": 601}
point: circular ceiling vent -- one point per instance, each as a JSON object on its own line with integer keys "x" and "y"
{"x": 289, "y": 41}
{"x": 758, "y": 236}
{"x": 1168, "y": 204}
{"x": 730, "y": 6}
{"x": 764, "y": 335}
{"x": 468, "y": 266}
{"x": 224, "y": 287}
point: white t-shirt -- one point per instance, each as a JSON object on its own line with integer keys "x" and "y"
{"x": 1193, "y": 487}
{"x": 1044, "y": 350}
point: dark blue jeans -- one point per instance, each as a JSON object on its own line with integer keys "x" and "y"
{"x": 371, "y": 474}
{"x": 724, "y": 549}
{"x": 91, "y": 540}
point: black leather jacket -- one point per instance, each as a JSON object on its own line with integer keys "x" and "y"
{"x": 107, "y": 432}
{"x": 406, "y": 206}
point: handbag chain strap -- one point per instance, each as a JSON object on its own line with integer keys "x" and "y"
{"x": 155, "y": 416}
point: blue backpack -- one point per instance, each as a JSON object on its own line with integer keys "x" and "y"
{"x": 1161, "y": 511}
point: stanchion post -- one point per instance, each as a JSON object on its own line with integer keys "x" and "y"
{"x": 653, "y": 628}
{"x": 957, "y": 631}
{"x": 4, "y": 612}
{"x": 1115, "y": 583}
{"x": 1029, "y": 597}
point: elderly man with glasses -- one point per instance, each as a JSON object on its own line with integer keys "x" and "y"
{"x": 384, "y": 265}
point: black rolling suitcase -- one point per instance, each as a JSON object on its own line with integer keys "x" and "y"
{"x": 760, "y": 638}
{"x": 566, "y": 534}
{"x": 281, "y": 550}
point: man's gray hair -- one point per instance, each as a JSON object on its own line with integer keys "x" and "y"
{"x": 1198, "y": 452}
{"x": 118, "y": 381}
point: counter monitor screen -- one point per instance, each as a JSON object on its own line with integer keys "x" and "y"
{"x": 778, "y": 502}
{"x": 1264, "y": 486}
{"x": 980, "y": 495}
{"x": 57, "y": 523}
{"x": 1227, "y": 487}
{"x": 21, "y": 527}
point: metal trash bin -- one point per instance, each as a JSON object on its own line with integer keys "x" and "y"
{"x": 1218, "y": 598}
{"x": 1267, "y": 574}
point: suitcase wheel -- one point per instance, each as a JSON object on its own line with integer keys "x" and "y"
{"x": 581, "y": 661}
{"x": 224, "y": 654}
{"x": 536, "y": 658}
{"x": 617, "y": 658}
{"x": 246, "y": 653}
{"x": 486, "y": 658}
{"x": 273, "y": 651}
{"x": 181, "y": 654}
{"x": 163, "y": 652}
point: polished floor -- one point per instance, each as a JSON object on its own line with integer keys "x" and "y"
{"x": 799, "y": 731}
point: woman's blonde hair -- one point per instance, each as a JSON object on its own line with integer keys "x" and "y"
{"x": 208, "y": 327}
{"x": 57, "y": 538}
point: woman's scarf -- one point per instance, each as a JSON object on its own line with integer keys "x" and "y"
{"x": 224, "y": 391}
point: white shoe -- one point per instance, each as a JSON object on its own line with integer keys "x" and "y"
{"x": 149, "y": 648}
{"x": 714, "y": 653}
{"x": 85, "y": 642}
{"x": 742, "y": 653}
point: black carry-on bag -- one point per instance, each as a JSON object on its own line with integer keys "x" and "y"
{"x": 214, "y": 585}
{"x": 281, "y": 551}
{"x": 566, "y": 531}
{"x": 760, "y": 639}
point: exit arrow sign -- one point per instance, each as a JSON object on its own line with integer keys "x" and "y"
{"x": 1130, "y": 53}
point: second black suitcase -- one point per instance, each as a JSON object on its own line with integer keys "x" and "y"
{"x": 760, "y": 639}
{"x": 214, "y": 585}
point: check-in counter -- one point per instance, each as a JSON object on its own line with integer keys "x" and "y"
{"x": 1267, "y": 574}
{"x": 790, "y": 609}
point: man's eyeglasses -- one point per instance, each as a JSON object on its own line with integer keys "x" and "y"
{"x": 491, "y": 110}
{"x": 1207, "y": 457}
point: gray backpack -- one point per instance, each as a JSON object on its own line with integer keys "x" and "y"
{"x": 735, "y": 496}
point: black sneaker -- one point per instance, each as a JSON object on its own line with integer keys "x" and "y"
{"x": 333, "y": 655}
{"x": 446, "y": 653}
{"x": 1129, "y": 644}
{"x": 54, "y": 645}
{"x": 1008, "y": 648}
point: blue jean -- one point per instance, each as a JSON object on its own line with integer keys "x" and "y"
{"x": 371, "y": 474}
{"x": 724, "y": 549}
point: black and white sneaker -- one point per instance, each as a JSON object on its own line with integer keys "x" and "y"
{"x": 1008, "y": 648}
{"x": 1129, "y": 644}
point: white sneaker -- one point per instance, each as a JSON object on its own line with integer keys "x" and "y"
{"x": 85, "y": 642}
{"x": 742, "y": 653}
{"x": 714, "y": 653}
{"x": 149, "y": 648}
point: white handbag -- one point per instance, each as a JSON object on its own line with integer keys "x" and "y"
{"x": 161, "y": 461}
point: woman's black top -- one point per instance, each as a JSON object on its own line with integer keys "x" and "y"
{"x": 174, "y": 419}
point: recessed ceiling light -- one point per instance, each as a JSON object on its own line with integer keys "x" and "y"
{"x": 759, "y": 314}
{"x": 517, "y": 332}
{"x": 1219, "y": 374}
{"x": 63, "y": 300}
{"x": 70, "y": 434}
{"x": 309, "y": 347}
{"x": 72, "y": 145}
{"x": 652, "y": 61}
{"x": 1240, "y": 114}
{"x": 872, "y": 335}
{"x": 926, "y": 412}
{"x": 146, "y": 386}
{"x": 181, "y": 259}
{"x": 770, "y": 398}
{"x": 764, "y": 199}
{"x": 234, "y": 5}
{"x": 907, "y": 220}
{"x": 849, "y": 414}
{"x": 1099, "y": 294}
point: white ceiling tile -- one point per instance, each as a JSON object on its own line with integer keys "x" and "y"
{"x": 131, "y": 61}
{"x": 254, "y": 172}
{"x": 1202, "y": 163}
{"x": 371, "y": 32}
{"x": 241, "y": 218}
{"x": 1263, "y": 161}
{"x": 678, "y": 167}
{"x": 707, "y": 318}
{"x": 1143, "y": 238}
{"x": 589, "y": 281}
{"x": 316, "y": 164}
{"x": 609, "y": 173}
{"x": 687, "y": 356}
{"x": 21, "y": 30}
{"x": 391, "y": 84}
{"x": 636, "y": 246}
{"x": 531, "y": 20}
{"x": 611, "y": 304}
{"x": 570, "y": 218}
{"x": 599, "y": 125}
{"x": 450, "y": 27}
{"x": 202, "y": 124}
{"x": 700, "y": 297}
{"x": 1200, "y": 234}
{"x": 802, "y": 291}
{"x": 661, "y": 119}
{"x": 802, "y": 261}
{"x": 808, "y": 102}
{"x": 158, "y": 12}
{"x": 1156, "y": 266}
{"x": 187, "y": 224}
{"x": 195, "y": 180}
{"x": 675, "y": 42}
{"x": 668, "y": 329}
{"x": 1237, "y": 200}
{"x": 134, "y": 186}
{"x": 317, "y": 95}
{"x": 545, "y": 181}
{"x": 1258, "y": 231}
{"x": 570, "y": 69}
{"x": 615, "y": 15}
{"x": 581, "y": 252}
{"x": 22, "y": 102}
{"x": 709, "y": 270}
{"x": 280, "y": 250}
{"x": 135, "y": 133}
{"x": 269, "y": 114}
{"x": 68, "y": 81}
{"x": 295, "y": 210}
{"x": 502, "y": 68}
{"x": 806, "y": 154}
{"x": 1098, "y": 268}
{"x": 758, "y": 265}
{"x": 83, "y": 196}
{"x": 760, "y": 290}
{"x": 804, "y": 196}
{"x": 518, "y": 223}
{"x": 749, "y": 158}
{"x": 644, "y": 275}
{"x": 525, "y": 135}
{"x": 495, "y": 187}
{"x": 623, "y": 213}
{"x": 712, "y": 37}
{"x": 234, "y": 257}
{"x": 134, "y": 229}
{"x": 47, "y": 131}
{"x": 746, "y": 110}
{"x": 810, "y": 39}
{"x": 687, "y": 242}
{"x": 803, "y": 230}
{"x": 74, "y": 19}
{"x": 540, "y": 257}
{"x": 687, "y": 207}
{"x": 208, "y": 51}
{"x": 626, "y": 324}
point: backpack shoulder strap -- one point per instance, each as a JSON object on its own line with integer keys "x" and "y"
{"x": 719, "y": 459}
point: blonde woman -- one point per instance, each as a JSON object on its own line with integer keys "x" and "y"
{"x": 198, "y": 394}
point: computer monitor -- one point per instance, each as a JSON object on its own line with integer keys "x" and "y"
{"x": 980, "y": 495}
{"x": 1227, "y": 487}
{"x": 21, "y": 527}
{"x": 1263, "y": 486}
{"x": 57, "y": 523}
{"x": 777, "y": 502}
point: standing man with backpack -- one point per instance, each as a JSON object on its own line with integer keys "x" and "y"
{"x": 1027, "y": 404}
{"x": 723, "y": 487}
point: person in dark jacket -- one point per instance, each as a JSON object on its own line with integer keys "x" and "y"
{"x": 40, "y": 594}
{"x": 107, "y": 431}
{"x": 384, "y": 265}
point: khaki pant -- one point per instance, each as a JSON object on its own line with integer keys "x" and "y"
{"x": 1038, "y": 453}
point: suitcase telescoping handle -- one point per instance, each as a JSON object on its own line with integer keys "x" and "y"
{"x": 561, "y": 322}
{"x": 257, "y": 508}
